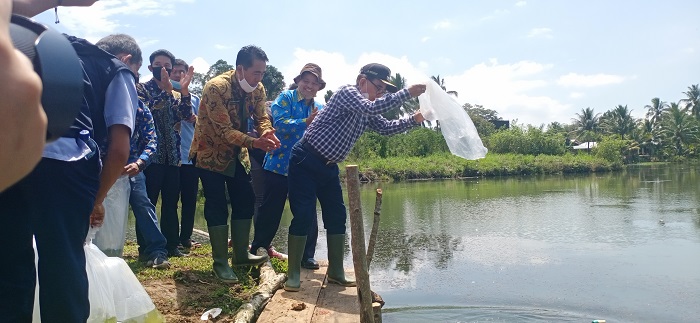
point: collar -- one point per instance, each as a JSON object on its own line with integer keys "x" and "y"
{"x": 299, "y": 98}
{"x": 235, "y": 85}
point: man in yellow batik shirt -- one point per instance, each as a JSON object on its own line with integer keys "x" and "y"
{"x": 220, "y": 150}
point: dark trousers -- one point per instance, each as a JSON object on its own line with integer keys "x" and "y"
{"x": 53, "y": 203}
{"x": 189, "y": 186}
{"x": 164, "y": 180}
{"x": 257, "y": 176}
{"x": 310, "y": 178}
{"x": 270, "y": 211}
{"x": 240, "y": 193}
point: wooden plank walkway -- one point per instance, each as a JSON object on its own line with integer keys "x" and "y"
{"x": 323, "y": 302}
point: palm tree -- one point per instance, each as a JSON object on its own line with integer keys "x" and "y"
{"x": 678, "y": 129}
{"x": 441, "y": 83}
{"x": 619, "y": 121}
{"x": 400, "y": 83}
{"x": 693, "y": 100}
{"x": 586, "y": 124}
{"x": 656, "y": 110}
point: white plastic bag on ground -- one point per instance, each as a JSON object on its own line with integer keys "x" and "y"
{"x": 100, "y": 286}
{"x": 114, "y": 292}
{"x": 456, "y": 126}
{"x": 111, "y": 235}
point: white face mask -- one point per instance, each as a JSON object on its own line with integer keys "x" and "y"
{"x": 365, "y": 95}
{"x": 244, "y": 84}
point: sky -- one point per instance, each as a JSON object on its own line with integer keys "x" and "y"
{"x": 534, "y": 61}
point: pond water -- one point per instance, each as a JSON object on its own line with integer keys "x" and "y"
{"x": 624, "y": 247}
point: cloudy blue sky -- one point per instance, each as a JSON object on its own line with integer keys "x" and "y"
{"x": 536, "y": 61}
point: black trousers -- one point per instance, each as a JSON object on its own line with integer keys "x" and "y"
{"x": 189, "y": 186}
{"x": 269, "y": 215}
{"x": 164, "y": 181}
{"x": 53, "y": 203}
{"x": 240, "y": 193}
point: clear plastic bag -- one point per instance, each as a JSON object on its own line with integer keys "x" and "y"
{"x": 100, "y": 290}
{"x": 111, "y": 235}
{"x": 456, "y": 126}
{"x": 115, "y": 293}
{"x": 100, "y": 286}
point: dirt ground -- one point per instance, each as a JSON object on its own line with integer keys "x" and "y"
{"x": 189, "y": 288}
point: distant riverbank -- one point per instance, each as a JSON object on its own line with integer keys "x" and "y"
{"x": 449, "y": 166}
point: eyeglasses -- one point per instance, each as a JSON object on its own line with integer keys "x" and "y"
{"x": 380, "y": 89}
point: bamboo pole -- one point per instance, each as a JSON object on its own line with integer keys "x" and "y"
{"x": 375, "y": 227}
{"x": 359, "y": 257}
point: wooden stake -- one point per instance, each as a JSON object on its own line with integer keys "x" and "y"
{"x": 359, "y": 257}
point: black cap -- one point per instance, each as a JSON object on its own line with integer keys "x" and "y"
{"x": 379, "y": 72}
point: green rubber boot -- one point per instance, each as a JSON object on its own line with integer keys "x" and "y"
{"x": 295, "y": 251}
{"x": 336, "y": 272}
{"x": 240, "y": 237}
{"x": 218, "y": 236}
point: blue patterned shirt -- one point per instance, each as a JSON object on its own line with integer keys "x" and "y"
{"x": 289, "y": 115}
{"x": 168, "y": 109}
{"x": 144, "y": 141}
{"x": 346, "y": 116}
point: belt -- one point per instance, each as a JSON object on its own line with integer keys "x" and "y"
{"x": 306, "y": 145}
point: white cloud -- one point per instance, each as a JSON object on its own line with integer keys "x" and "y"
{"x": 424, "y": 39}
{"x": 443, "y": 24}
{"x": 146, "y": 42}
{"x": 102, "y": 18}
{"x": 520, "y": 3}
{"x": 507, "y": 88}
{"x": 540, "y": 33}
{"x": 222, "y": 47}
{"x": 200, "y": 65}
{"x": 576, "y": 95}
{"x": 578, "y": 80}
{"x": 494, "y": 15}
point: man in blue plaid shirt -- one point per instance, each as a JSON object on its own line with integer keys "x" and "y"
{"x": 313, "y": 169}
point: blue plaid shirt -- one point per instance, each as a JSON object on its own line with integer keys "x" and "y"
{"x": 346, "y": 116}
{"x": 289, "y": 113}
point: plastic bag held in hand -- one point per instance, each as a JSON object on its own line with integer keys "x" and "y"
{"x": 111, "y": 235}
{"x": 455, "y": 124}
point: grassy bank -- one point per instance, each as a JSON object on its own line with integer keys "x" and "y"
{"x": 183, "y": 292}
{"x": 450, "y": 166}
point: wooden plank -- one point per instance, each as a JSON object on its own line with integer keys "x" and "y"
{"x": 279, "y": 309}
{"x": 337, "y": 303}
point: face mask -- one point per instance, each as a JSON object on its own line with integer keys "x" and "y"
{"x": 156, "y": 71}
{"x": 244, "y": 84}
{"x": 176, "y": 85}
{"x": 365, "y": 95}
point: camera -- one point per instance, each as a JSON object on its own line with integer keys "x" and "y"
{"x": 58, "y": 66}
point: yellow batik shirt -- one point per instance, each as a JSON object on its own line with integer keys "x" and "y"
{"x": 218, "y": 138}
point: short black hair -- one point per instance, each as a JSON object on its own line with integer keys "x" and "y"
{"x": 181, "y": 62}
{"x": 162, "y": 52}
{"x": 249, "y": 53}
{"x": 116, "y": 44}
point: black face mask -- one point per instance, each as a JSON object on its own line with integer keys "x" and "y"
{"x": 156, "y": 71}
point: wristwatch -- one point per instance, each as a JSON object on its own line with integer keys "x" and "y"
{"x": 140, "y": 164}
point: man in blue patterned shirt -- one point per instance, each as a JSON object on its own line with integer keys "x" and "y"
{"x": 313, "y": 169}
{"x": 292, "y": 112}
{"x": 169, "y": 108}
